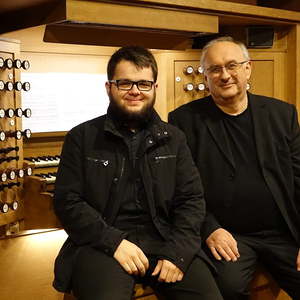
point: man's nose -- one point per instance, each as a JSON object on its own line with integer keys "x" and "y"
{"x": 224, "y": 73}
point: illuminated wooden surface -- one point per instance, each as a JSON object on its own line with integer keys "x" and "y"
{"x": 26, "y": 266}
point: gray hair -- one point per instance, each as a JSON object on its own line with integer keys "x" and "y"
{"x": 223, "y": 39}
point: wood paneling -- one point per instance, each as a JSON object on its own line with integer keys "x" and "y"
{"x": 140, "y": 16}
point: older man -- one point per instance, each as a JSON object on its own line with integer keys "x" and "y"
{"x": 248, "y": 150}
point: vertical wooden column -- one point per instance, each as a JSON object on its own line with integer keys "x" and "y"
{"x": 293, "y": 66}
{"x": 10, "y": 99}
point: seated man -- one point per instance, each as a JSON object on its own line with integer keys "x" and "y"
{"x": 129, "y": 196}
{"x": 248, "y": 150}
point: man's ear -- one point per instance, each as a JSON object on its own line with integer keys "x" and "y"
{"x": 107, "y": 86}
{"x": 249, "y": 69}
{"x": 205, "y": 79}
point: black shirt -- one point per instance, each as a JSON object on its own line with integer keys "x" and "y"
{"x": 133, "y": 216}
{"x": 253, "y": 207}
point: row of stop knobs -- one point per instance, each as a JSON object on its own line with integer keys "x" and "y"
{"x": 17, "y": 63}
{"x": 18, "y": 86}
{"x": 18, "y": 134}
{"x": 18, "y": 112}
{"x": 4, "y": 207}
{"x": 14, "y": 173}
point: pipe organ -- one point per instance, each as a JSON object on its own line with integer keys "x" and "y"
{"x": 29, "y": 160}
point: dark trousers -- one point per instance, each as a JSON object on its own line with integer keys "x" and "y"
{"x": 97, "y": 276}
{"x": 277, "y": 252}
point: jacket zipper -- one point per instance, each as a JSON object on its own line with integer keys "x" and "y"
{"x": 123, "y": 167}
{"x": 164, "y": 157}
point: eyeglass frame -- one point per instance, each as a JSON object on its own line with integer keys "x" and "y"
{"x": 220, "y": 68}
{"x": 136, "y": 83}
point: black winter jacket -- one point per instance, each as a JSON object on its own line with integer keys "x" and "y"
{"x": 87, "y": 192}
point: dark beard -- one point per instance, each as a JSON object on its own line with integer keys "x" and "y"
{"x": 133, "y": 119}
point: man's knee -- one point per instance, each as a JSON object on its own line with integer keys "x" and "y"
{"x": 233, "y": 288}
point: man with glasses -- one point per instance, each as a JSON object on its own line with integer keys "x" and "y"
{"x": 130, "y": 198}
{"x": 248, "y": 150}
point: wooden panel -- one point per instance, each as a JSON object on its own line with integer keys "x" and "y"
{"x": 269, "y": 74}
{"x": 111, "y": 36}
{"x": 262, "y": 78}
{"x": 181, "y": 80}
{"x": 229, "y": 8}
{"x": 38, "y": 205}
{"x": 293, "y": 66}
{"x": 251, "y": 2}
{"x": 140, "y": 17}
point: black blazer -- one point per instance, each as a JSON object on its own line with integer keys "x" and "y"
{"x": 277, "y": 137}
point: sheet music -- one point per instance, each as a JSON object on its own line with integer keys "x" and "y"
{"x": 60, "y": 101}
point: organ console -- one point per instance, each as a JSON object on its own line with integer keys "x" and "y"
{"x": 39, "y": 189}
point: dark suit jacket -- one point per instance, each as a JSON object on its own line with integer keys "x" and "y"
{"x": 277, "y": 137}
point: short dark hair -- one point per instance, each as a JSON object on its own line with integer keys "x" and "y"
{"x": 139, "y": 56}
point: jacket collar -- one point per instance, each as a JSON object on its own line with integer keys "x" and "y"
{"x": 262, "y": 129}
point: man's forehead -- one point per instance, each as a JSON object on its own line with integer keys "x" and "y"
{"x": 125, "y": 67}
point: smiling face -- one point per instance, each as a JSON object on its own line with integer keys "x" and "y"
{"x": 227, "y": 86}
{"x": 132, "y": 104}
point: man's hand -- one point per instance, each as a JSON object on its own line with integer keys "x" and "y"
{"x": 131, "y": 258}
{"x": 298, "y": 261}
{"x": 222, "y": 245}
{"x": 167, "y": 271}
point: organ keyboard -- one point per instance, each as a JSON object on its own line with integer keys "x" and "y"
{"x": 38, "y": 192}
{"x": 43, "y": 161}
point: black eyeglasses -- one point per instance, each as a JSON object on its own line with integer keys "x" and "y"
{"x": 127, "y": 85}
{"x": 231, "y": 67}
